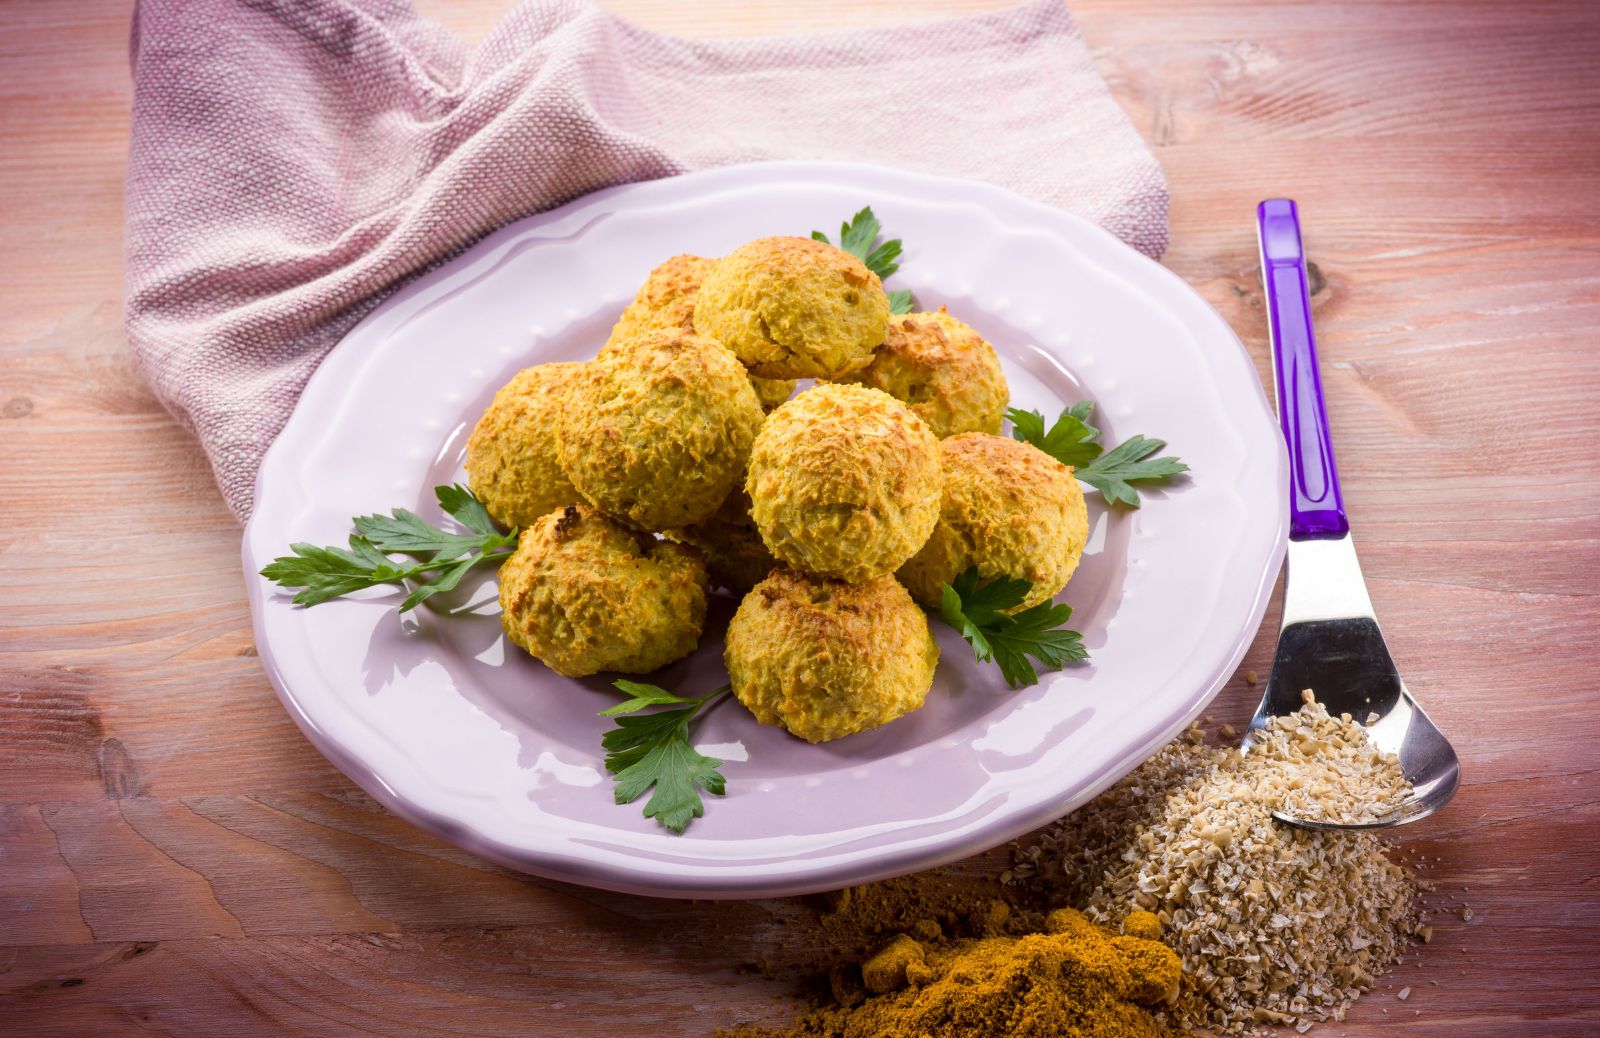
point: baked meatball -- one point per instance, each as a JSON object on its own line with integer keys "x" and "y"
{"x": 736, "y": 557}
{"x": 943, "y": 370}
{"x": 826, "y": 659}
{"x": 665, "y": 301}
{"x": 513, "y": 462}
{"x": 772, "y": 392}
{"x": 1008, "y": 508}
{"x": 659, "y": 431}
{"x": 794, "y": 308}
{"x": 844, "y": 482}
{"x": 584, "y": 594}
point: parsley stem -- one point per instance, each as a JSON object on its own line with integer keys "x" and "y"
{"x": 704, "y": 704}
{"x": 450, "y": 560}
{"x": 422, "y": 569}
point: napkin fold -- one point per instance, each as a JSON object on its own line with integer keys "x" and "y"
{"x": 294, "y": 161}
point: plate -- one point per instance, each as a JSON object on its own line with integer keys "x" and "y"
{"x": 446, "y": 724}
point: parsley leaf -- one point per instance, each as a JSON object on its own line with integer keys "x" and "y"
{"x": 978, "y": 612}
{"x": 653, "y": 750}
{"x": 410, "y": 534}
{"x": 981, "y": 603}
{"x": 324, "y": 573}
{"x": 442, "y": 556}
{"x": 1071, "y": 440}
{"x": 1036, "y": 631}
{"x": 1117, "y": 473}
{"x": 859, "y": 237}
{"x": 459, "y": 504}
{"x": 643, "y": 696}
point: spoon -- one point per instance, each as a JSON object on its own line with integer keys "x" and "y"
{"x": 1330, "y": 642}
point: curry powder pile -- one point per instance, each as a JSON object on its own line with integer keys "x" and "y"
{"x": 974, "y": 968}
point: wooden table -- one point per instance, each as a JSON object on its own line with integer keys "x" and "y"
{"x": 176, "y": 859}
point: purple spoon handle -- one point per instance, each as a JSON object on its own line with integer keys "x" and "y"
{"x": 1316, "y": 508}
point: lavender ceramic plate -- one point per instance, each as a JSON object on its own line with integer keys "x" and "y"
{"x": 438, "y": 718}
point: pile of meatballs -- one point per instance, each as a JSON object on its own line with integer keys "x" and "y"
{"x": 681, "y": 459}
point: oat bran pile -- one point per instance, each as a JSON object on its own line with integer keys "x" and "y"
{"x": 1275, "y": 925}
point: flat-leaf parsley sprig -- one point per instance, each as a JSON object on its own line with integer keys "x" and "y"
{"x": 441, "y": 557}
{"x": 978, "y": 611}
{"x": 649, "y": 750}
{"x": 859, "y": 237}
{"x": 1117, "y": 473}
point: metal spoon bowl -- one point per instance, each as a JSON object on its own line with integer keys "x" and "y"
{"x": 1330, "y": 641}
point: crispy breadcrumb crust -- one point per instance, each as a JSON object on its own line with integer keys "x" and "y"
{"x": 513, "y": 454}
{"x": 665, "y": 301}
{"x": 1008, "y": 508}
{"x": 585, "y": 594}
{"x": 660, "y": 432}
{"x": 794, "y": 308}
{"x": 844, "y": 482}
{"x": 943, "y": 370}
{"x": 736, "y": 557}
{"x": 825, "y": 659}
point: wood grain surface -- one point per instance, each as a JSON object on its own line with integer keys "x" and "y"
{"x": 176, "y": 859}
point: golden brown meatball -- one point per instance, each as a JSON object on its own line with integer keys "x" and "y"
{"x": 513, "y": 463}
{"x": 736, "y": 558}
{"x": 665, "y": 301}
{"x": 844, "y": 482}
{"x": 794, "y": 308}
{"x": 825, "y": 659}
{"x": 585, "y": 594}
{"x": 772, "y": 392}
{"x": 659, "y": 432}
{"x": 1008, "y": 508}
{"x": 943, "y": 370}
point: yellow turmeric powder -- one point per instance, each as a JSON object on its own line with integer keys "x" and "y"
{"x": 1072, "y": 980}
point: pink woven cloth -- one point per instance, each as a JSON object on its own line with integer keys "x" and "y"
{"x": 294, "y": 161}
